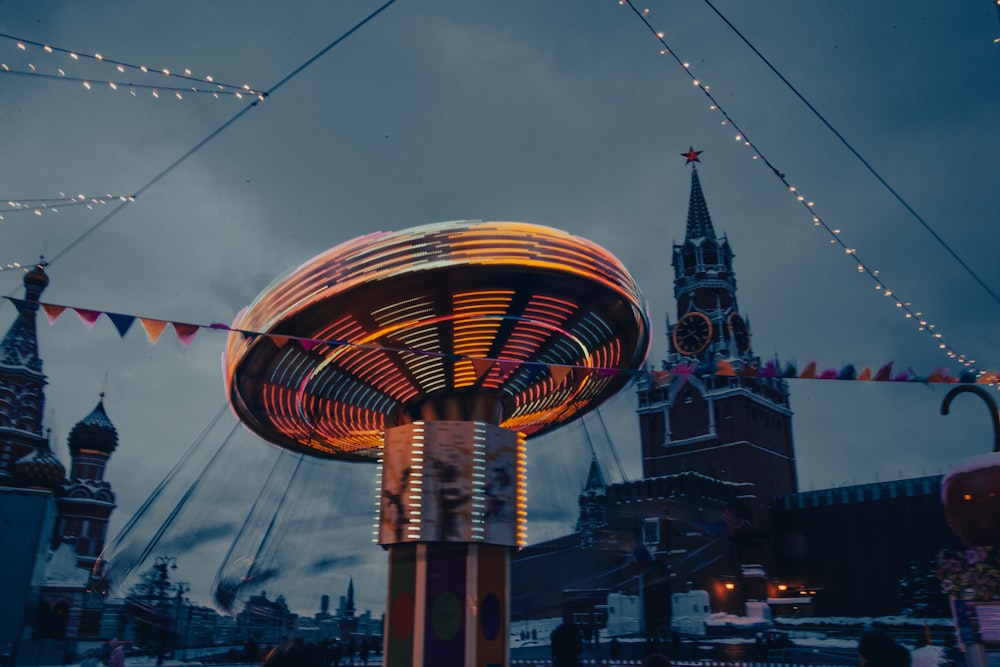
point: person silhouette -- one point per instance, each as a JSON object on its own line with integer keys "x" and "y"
{"x": 566, "y": 644}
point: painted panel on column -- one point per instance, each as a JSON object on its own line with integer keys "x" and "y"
{"x": 492, "y": 616}
{"x": 444, "y": 636}
{"x": 505, "y": 500}
{"x": 400, "y": 614}
{"x": 401, "y": 485}
{"x": 448, "y": 481}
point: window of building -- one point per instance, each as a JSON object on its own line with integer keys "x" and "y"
{"x": 651, "y": 531}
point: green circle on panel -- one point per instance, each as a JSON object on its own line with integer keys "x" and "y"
{"x": 446, "y": 615}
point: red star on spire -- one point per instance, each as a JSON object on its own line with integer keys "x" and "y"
{"x": 692, "y": 155}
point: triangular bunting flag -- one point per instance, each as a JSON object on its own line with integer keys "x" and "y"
{"x": 725, "y": 369}
{"x": 790, "y": 371}
{"x": 308, "y": 343}
{"x": 122, "y": 322}
{"x": 607, "y": 372}
{"x": 220, "y": 325}
{"x": 507, "y": 365}
{"x": 52, "y": 312}
{"x": 279, "y": 341}
{"x": 659, "y": 378}
{"x": 249, "y": 335}
{"x": 828, "y": 374}
{"x": 770, "y": 370}
{"x": 88, "y": 317}
{"x": 847, "y": 373}
{"x": 185, "y": 332}
{"x": 559, "y": 373}
{"x": 866, "y": 374}
{"x": 905, "y": 376}
{"x": 884, "y": 373}
{"x": 809, "y": 371}
{"x": 683, "y": 369}
{"x": 154, "y": 328}
{"x": 482, "y": 367}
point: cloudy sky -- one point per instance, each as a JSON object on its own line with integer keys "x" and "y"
{"x": 563, "y": 114}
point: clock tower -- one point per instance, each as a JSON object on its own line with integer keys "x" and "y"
{"x": 719, "y": 421}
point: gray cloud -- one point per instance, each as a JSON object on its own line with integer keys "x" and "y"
{"x": 518, "y": 111}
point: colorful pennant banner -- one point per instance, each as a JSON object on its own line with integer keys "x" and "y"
{"x": 186, "y": 333}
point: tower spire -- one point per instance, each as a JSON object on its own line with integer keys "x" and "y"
{"x": 595, "y": 480}
{"x": 699, "y": 224}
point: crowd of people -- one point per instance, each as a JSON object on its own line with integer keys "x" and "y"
{"x": 876, "y": 648}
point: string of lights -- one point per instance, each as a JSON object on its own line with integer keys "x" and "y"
{"x": 43, "y": 205}
{"x": 121, "y": 66}
{"x": 843, "y": 140}
{"x": 906, "y": 307}
{"x": 219, "y": 130}
{"x": 18, "y": 266}
{"x": 997, "y": 39}
{"x": 131, "y": 86}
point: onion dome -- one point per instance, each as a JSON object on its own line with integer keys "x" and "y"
{"x": 37, "y": 277}
{"x": 94, "y": 432}
{"x": 40, "y": 468}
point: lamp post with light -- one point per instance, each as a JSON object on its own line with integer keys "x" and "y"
{"x": 970, "y": 493}
{"x": 161, "y": 592}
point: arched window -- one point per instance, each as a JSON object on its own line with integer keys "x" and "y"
{"x": 709, "y": 254}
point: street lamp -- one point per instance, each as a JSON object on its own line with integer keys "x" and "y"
{"x": 161, "y": 586}
{"x": 181, "y": 587}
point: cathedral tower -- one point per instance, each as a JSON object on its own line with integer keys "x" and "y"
{"x": 22, "y": 383}
{"x": 86, "y": 503}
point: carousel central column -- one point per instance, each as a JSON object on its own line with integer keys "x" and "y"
{"x": 452, "y": 504}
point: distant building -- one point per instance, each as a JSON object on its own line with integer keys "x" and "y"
{"x": 55, "y": 526}
{"x": 345, "y": 623}
{"x": 265, "y": 621}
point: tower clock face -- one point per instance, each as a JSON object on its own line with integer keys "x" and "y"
{"x": 740, "y": 331}
{"x": 692, "y": 334}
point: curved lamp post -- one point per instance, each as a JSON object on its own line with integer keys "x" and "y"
{"x": 970, "y": 492}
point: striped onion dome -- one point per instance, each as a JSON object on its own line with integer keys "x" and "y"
{"x": 40, "y": 468}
